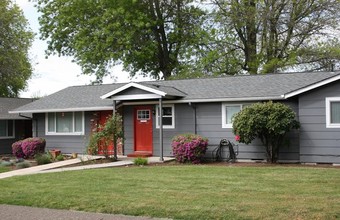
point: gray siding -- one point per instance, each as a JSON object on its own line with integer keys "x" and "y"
{"x": 209, "y": 124}
{"x": 128, "y": 130}
{"x": 21, "y": 132}
{"x": 184, "y": 123}
{"x": 133, "y": 91}
{"x": 66, "y": 143}
{"x": 318, "y": 144}
{"x": 184, "y": 118}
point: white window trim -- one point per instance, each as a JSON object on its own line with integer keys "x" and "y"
{"x": 62, "y": 133}
{"x": 224, "y": 105}
{"x": 173, "y": 117}
{"x": 328, "y": 112}
{"x": 13, "y": 132}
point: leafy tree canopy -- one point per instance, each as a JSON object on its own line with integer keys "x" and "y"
{"x": 267, "y": 36}
{"x": 15, "y": 41}
{"x": 267, "y": 121}
{"x": 191, "y": 38}
{"x": 151, "y": 37}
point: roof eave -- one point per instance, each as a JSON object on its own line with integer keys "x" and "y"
{"x": 311, "y": 87}
{"x": 78, "y": 109}
{"x": 243, "y": 99}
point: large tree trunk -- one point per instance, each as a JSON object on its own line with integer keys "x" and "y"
{"x": 251, "y": 44}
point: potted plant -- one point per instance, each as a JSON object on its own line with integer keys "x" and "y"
{"x": 54, "y": 153}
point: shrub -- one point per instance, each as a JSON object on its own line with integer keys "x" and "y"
{"x": 5, "y": 163}
{"x": 140, "y": 161}
{"x": 43, "y": 159}
{"x": 28, "y": 147}
{"x": 17, "y": 149}
{"x": 22, "y": 165}
{"x": 267, "y": 121}
{"x": 60, "y": 157}
{"x": 33, "y": 146}
{"x": 189, "y": 148}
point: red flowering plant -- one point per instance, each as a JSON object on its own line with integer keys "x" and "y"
{"x": 17, "y": 150}
{"x": 33, "y": 146}
{"x": 28, "y": 147}
{"x": 189, "y": 148}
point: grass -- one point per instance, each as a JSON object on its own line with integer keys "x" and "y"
{"x": 185, "y": 192}
{"x": 5, "y": 169}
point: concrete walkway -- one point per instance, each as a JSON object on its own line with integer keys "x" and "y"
{"x": 13, "y": 212}
{"x": 60, "y": 166}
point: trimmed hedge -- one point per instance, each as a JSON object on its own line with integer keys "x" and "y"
{"x": 28, "y": 147}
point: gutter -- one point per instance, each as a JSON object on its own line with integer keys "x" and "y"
{"x": 24, "y": 116}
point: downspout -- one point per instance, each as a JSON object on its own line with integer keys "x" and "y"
{"x": 161, "y": 129}
{"x": 193, "y": 106}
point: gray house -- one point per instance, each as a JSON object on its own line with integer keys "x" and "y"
{"x": 13, "y": 127}
{"x": 203, "y": 106}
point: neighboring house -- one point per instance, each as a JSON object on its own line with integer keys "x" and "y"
{"x": 202, "y": 106}
{"x": 13, "y": 127}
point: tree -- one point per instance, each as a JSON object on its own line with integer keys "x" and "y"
{"x": 15, "y": 40}
{"x": 151, "y": 37}
{"x": 269, "y": 122}
{"x": 270, "y": 35}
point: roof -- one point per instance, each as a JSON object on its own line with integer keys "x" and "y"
{"x": 230, "y": 88}
{"x": 8, "y": 104}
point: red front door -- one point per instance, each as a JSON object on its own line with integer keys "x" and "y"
{"x": 143, "y": 128}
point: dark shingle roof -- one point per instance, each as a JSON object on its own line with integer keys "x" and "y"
{"x": 247, "y": 86}
{"x": 243, "y": 87}
{"x": 8, "y": 104}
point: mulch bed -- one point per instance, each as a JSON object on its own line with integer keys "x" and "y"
{"x": 175, "y": 163}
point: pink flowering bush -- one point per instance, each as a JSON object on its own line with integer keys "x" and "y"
{"x": 17, "y": 150}
{"x": 189, "y": 148}
{"x": 29, "y": 147}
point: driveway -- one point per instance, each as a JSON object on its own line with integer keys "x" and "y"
{"x": 12, "y": 212}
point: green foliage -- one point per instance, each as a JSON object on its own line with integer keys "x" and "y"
{"x": 140, "y": 161}
{"x": 22, "y": 165}
{"x": 15, "y": 40}
{"x": 155, "y": 38}
{"x": 43, "y": 159}
{"x": 111, "y": 131}
{"x": 271, "y": 36}
{"x": 4, "y": 163}
{"x": 60, "y": 157}
{"x": 267, "y": 121}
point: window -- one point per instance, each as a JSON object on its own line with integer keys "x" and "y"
{"x": 333, "y": 112}
{"x": 6, "y": 129}
{"x": 168, "y": 116}
{"x": 65, "y": 123}
{"x": 143, "y": 114}
{"x": 228, "y": 113}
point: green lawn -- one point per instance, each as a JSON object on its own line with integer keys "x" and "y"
{"x": 4, "y": 169}
{"x": 185, "y": 192}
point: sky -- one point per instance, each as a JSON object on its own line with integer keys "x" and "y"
{"x": 56, "y": 73}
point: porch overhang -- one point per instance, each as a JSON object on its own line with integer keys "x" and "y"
{"x": 145, "y": 92}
